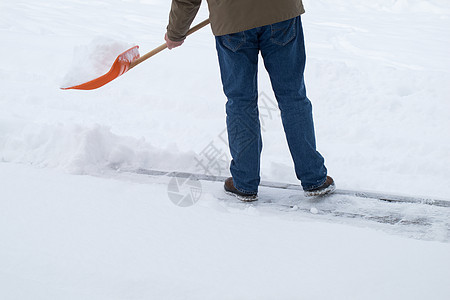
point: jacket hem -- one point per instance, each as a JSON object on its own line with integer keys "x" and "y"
{"x": 239, "y": 28}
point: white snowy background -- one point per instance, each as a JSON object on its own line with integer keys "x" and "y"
{"x": 71, "y": 228}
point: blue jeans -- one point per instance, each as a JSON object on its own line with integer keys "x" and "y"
{"x": 283, "y": 51}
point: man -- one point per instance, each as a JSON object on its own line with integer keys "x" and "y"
{"x": 243, "y": 29}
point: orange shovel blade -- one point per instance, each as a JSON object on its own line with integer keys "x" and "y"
{"x": 119, "y": 67}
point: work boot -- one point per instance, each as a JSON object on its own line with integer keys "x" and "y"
{"x": 327, "y": 187}
{"x": 230, "y": 189}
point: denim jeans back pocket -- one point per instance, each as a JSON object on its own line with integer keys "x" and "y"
{"x": 234, "y": 41}
{"x": 283, "y": 32}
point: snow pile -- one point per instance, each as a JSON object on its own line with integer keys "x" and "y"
{"x": 93, "y": 60}
{"x": 82, "y": 150}
{"x": 130, "y": 55}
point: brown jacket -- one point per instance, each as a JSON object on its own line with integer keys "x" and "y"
{"x": 230, "y": 16}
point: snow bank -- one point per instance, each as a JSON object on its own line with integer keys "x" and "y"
{"x": 84, "y": 150}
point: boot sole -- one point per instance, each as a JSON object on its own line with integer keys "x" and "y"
{"x": 243, "y": 198}
{"x": 328, "y": 190}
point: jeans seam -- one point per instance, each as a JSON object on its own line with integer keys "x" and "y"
{"x": 273, "y": 40}
{"x": 236, "y": 48}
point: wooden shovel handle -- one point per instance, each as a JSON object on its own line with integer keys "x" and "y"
{"x": 164, "y": 46}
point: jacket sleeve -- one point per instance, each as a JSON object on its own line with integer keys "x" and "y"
{"x": 182, "y": 13}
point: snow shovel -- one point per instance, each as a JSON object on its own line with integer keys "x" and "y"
{"x": 125, "y": 62}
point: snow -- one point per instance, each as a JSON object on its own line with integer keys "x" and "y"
{"x": 82, "y": 150}
{"x": 72, "y": 237}
{"x": 93, "y": 60}
{"x": 378, "y": 77}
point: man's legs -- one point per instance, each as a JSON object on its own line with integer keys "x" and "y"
{"x": 238, "y": 60}
{"x": 283, "y": 51}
